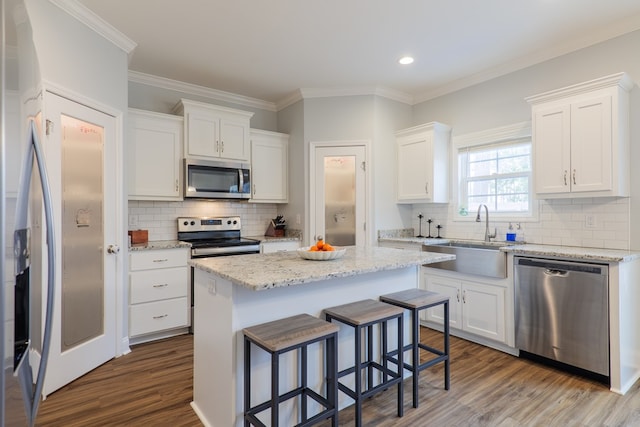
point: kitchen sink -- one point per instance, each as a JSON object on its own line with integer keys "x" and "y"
{"x": 472, "y": 257}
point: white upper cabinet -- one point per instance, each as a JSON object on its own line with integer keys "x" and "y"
{"x": 581, "y": 139}
{"x": 154, "y": 152}
{"x": 269, "y": 167}
{"x": 423, "y": 164}
{"x": 214, "y": 132}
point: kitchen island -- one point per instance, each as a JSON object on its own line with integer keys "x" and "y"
{"x": 232, "y": 293}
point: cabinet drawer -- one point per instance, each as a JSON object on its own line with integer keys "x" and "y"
{"x": 164, "y": 258}
{"x": 157, "y": 316}
{"x": 156, "y": 285}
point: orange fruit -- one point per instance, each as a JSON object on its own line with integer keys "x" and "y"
{"x": 313, "y": 249}
{"x": 327, "y": 247}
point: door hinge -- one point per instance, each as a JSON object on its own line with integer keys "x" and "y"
{"x": 363, "y": 165}
{"x": 48, "y": 127}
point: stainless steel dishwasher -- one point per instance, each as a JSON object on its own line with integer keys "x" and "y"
{"x": 562, "y": 312}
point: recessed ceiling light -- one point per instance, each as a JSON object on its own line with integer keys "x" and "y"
{"x": 406, "y": 60}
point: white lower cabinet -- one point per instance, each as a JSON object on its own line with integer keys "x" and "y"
{"x": 474, "y": 307}
{"x": 158, "y": 293}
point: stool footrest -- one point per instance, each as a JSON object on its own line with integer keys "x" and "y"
{"x": 305, "y": 392}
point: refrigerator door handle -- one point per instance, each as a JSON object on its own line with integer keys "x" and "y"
{"x": 34, "y": 151}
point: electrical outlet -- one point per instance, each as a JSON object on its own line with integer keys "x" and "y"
{"x": 212, "y": 288}
{"x": 133, "y": 220}
{"x": 590, "y": 221}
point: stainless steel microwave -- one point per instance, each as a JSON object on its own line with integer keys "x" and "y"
{"x": 212, "y": 179}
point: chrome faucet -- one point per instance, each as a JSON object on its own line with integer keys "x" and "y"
{"x": 487, "y": 236}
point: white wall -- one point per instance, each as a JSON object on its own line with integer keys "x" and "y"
{"x": 500, "y": 102}
{"x": 351, "y": 118}
{"x": 77, "y": 58}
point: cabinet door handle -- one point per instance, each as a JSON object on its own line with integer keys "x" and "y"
{"x": 574, "y": 177}
{"x": 217, "y": 146}
{"x": 254, "y": 189}
{"x": 222, "y": 145}
{"x": 163, "y": 285}
{"x": 565, "y": 177}
{"x": 426, "y": 187}
{"x": 162, "y": 316}
{"x": 177, "y": 186}
{"x": 458, "y": 295}
{"x": 161, "y": 260}
{"x": 464, "y": 297}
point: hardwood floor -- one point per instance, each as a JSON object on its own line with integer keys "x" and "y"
{"x": 151, "y": 386}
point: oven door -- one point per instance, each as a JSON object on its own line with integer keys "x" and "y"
{"x": 216, "y": 179}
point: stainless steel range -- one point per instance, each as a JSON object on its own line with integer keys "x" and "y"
{"x": 215, "y": 236}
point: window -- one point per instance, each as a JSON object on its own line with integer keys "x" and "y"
{"x": 496, "y": 171}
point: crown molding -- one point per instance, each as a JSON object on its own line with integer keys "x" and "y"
{"x": 621, "y": 80}
{"x": 617, "y": 29}
{"x": 97, "y": 24}
{"x": 392, "y": 94}
{"x": 192, "y": 89}
{"x": 494, "y": 135}
{"x": 294, "y": 97}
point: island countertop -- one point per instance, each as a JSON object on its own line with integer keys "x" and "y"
{"x": 267, "y": 271}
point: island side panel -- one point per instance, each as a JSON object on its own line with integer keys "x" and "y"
{"x": 624, "y": 299}
{"x": 213, "y": 350}
{"x": 223, "y": 309}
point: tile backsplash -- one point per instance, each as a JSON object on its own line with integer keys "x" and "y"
{"x": 588, "y": 222}
{"x": 160, "y": 218}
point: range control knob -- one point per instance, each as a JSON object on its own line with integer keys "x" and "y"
{"x": 185, "y": 223}
{"x": 228, "y": 222}
{"x": 193, "y": 223}
{"x": 235, "y": 222}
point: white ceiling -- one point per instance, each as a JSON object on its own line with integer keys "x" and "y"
{"x": 269, "y": 49}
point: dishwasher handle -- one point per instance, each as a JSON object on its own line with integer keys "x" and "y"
{"x": 556, "y": 273}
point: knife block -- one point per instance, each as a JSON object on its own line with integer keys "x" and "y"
{"x": 274, "y": 232}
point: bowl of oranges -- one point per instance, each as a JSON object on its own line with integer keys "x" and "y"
{"x": 321, "y": 251}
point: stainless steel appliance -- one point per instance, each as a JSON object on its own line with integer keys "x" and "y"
{"x": 214, "y": 237}
{"x": 18, "y": 335}
{"x": 562, "y": 312}
{"x": 216, "y": 179}
{"x": 217, "y": 236}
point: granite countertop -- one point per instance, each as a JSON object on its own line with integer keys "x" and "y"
{"x": 528, "y": 249}
{"x": 159, "y": 244}
{"x": 573, "y": 252}
{"x": 266, "y": 271}
{"x": 270, "y": 239}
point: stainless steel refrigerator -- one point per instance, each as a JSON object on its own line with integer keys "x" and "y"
{"x": 19, "y": 294}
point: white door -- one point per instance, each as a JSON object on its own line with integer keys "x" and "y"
{"x": 338, "y": 194}
{"x": 81, "y": 157}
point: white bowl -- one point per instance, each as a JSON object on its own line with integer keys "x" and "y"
{"x": 321, "y": 255}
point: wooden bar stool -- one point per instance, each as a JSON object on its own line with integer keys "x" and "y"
{"x": 415, "y": 300}
{"x": 281, "y": 336}
{"x": 364, "y": 315}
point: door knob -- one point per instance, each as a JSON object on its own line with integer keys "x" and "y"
{"x": 113, "y": 249}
